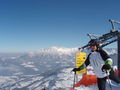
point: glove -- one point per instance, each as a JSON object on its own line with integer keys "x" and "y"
{"x": 79, "y": 68}
{"x": 106, "y": 67}
{"x": 76, "y": 69}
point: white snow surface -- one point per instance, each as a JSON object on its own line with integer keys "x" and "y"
{"x": 49, "y": 68}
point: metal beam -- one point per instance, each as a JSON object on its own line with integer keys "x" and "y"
{"x": 118, "y": 45}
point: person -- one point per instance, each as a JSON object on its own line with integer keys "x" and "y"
{"x": 101, "y": 63}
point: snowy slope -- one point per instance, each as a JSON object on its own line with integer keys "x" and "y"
{"x": 49, "y": 68}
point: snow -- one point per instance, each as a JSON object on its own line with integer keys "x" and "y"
{"x": 29, "y": 65}
{"x": 49, "y": 68}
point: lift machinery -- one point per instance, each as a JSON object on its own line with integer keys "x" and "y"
{"x": 108, "y": 38}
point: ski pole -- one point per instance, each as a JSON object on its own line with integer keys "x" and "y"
{"x": 109, "y": 80}
{"x": 74, "y": 80}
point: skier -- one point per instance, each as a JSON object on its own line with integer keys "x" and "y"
{"x": 101, "y": 62}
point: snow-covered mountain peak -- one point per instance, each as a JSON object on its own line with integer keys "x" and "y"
{"x": 52, "y": 50}
{"x": 64, "y": 50}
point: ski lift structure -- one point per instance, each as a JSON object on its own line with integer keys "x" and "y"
{"x": 107, "y": 39}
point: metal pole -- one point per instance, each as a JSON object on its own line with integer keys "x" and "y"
{"x": 118, "y": 44}
{"x": 109, "y": 80}
{"x": 74, "y": 80}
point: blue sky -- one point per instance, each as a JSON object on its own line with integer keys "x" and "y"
{"x": 27, "y": 25}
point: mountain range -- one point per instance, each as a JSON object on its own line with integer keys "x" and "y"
{"x": 49, "y": 67}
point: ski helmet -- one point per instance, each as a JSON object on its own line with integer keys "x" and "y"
{"x": 94, "y": 42}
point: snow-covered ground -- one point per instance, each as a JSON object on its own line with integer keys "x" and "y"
{"x": 49, "y": 68}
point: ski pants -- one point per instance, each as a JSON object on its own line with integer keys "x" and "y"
{"x": 102, "y": 81}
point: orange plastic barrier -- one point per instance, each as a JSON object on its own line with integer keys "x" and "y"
{"x": 87, "y": 80}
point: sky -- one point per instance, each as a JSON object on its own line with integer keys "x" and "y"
{"x": 27, "y": 25}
